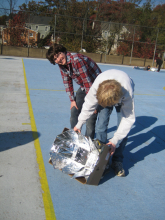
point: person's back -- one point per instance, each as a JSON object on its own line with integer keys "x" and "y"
{"x": 112, "y": 88}
{"x": 159, "y": 62}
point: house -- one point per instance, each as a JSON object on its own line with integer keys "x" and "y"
{"x": 22, "y": 37}
{"x": 40, "y": 24}
{"x": 1, "y": 31}
{"x": 111, "y": 33}
{"x": 36, "y": 27}
{"x": 27, "y": 37}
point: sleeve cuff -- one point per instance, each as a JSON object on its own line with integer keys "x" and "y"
{"x": 79, "y": 125}
{"x": 115, "y": 141}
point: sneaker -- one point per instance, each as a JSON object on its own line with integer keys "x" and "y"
{"x": 118, "y": 168}
{"x": 107, "y": 170}
{"x": 98, "y": 144}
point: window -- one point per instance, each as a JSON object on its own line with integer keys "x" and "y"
{"x": 30, "y": 34}
{"x": 46, "y": 28}
{"x": 42, "y": 36}
{"x": 121, "y": 37}
{"x": 105, "y": 34}
{"x": 37, "y": 28}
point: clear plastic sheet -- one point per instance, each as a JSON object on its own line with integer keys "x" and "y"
{"x": 74, "y": 154}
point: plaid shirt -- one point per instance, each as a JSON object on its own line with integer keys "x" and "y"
{"x": 80, "y": 68}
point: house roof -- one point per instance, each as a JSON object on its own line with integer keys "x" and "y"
{"x": 39, "y": 20}
{"x": 108, "y": 26}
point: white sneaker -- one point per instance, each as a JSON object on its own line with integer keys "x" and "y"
{"x": 118, "y": 168}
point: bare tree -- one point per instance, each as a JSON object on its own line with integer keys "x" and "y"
{"x": 11, "y": 6}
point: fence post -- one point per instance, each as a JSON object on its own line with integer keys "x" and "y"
{"x": 55, "y": 29}
{"x": 123, "y": 59}
{"x": 107, "y": 42}
{"x": 163, "y": 65}
{"x": 28, "y": 44}
{"x": 132, "y": 46}
{"x": 28, "y": 37}
{"x": 1, "y": 49}
{"x": 155, "y": 47}
{"x": 82, "y": 36}
{"x": 101, "y": 58}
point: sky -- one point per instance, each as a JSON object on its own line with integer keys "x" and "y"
{"x": 5, "y": 3}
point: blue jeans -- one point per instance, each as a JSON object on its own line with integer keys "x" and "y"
{"x": 90, "y": 124}
{"x": 101, "y": 130}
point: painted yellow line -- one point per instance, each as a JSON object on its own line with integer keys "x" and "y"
{"x": 49, "y": 90}
{"x": 52, "y": 90}
{"x": 149, "y": 94}
{"x": 48, "y": 205}
{"x": 26, "y": 123}
{"x": 76, "y": 91}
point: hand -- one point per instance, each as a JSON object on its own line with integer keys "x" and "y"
{"x": 73, "y": 104}
{"x": 113, "y": 147}
{"x": 76, "y": 130}
{"x": 95, "y": 112}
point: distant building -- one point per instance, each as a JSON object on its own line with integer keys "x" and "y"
{"x": 25, "y": 37}
{"x": 39, "y": 24}
{"x": 1, "y": 32}
{"x": 114, "y": 33}
{"x": 36, "y": 27}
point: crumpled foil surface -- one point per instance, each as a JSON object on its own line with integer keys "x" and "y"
{"x": 74, "y": 154}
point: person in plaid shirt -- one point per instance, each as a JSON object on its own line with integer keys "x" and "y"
{"x": 83, "y": 70}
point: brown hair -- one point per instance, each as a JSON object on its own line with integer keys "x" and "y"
{"x": 53, "y": 50}
{"x": 109, "y": 93}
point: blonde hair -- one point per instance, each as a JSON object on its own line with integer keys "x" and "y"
{"x": 109, "y": 93}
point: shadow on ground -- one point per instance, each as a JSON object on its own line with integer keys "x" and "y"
{"x": 141, "y": 143}
{"x": 9, "y": 140}
{"x": 8, "y": 58}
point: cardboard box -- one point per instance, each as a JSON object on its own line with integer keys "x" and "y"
{"x": 95, "y": 176}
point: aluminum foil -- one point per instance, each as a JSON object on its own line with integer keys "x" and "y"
{"x": 74, "y": 154}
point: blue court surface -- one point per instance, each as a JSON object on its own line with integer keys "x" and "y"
{"x": 138, "y": 195}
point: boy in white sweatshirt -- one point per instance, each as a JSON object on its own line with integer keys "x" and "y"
{"x": 111, "y": 88}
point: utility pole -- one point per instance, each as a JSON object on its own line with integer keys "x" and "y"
{"x": 10, "y": 7}
{"x": 155, "y": 46}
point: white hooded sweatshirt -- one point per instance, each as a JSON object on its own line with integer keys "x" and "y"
{"x": 127, "y": 102}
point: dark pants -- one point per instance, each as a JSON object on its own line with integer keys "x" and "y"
{"x": 101, "y": 130}
{"x": 159, "y": 66}
{"x": 90, "y": 124}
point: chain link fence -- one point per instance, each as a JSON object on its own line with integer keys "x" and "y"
{"x": 27, "y": 29}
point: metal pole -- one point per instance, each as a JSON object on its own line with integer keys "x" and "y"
{"x": 132, "y": 46}
{"x": 28, "y": 37}
{"x": 28, "y": 44}
{"x": 11, "y": 7}
{"x": 82, "y": 35}
{"x": 106, "y": 53}
{"x": 55, "y": 29}
{"x": 107, "y": 42}
{"x": 155, "y": 47}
